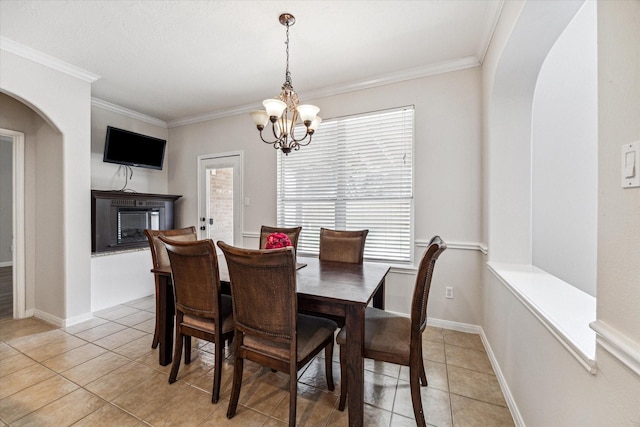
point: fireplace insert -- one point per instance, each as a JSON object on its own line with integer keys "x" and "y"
{"x": 120, "y": 218}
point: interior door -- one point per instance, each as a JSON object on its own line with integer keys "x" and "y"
{"x": 220, "y": 197}
{"x": 12, "y": 228}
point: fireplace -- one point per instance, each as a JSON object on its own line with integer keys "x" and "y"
{"x": 118, "y": 218}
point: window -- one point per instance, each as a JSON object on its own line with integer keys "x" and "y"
{"x": 356, "y": 174}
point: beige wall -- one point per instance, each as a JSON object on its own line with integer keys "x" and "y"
{"x": 43, "y": 147}
{"x": 447, "y": 177}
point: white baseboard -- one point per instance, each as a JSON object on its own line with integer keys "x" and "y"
{"x": 508, "y": 397}
{"x": 455, "y": 326}
{"x": 61, "y": 323}
{"x": 476, "y": 329}
{"x": 49, "y": 318}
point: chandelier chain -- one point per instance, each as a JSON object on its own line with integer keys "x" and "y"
{"x": 287, "y": 75}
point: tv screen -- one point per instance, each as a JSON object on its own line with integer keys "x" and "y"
{"x": 133, "y": 149}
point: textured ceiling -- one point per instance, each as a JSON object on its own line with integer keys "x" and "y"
{"x": 175, "y": 60}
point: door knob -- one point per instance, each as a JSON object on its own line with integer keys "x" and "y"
{"x": 203, "y": 228}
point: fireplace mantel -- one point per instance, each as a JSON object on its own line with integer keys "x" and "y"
{"x": 105, "y": 194}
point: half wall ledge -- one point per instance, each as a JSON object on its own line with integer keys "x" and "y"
{"x": 546, "y": 296}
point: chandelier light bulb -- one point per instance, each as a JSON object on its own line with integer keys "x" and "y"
{"x": 260, "y": 118}
{"x": 307, "y": 112}
{"x": 314, "y": 124}
{"x": 274, "y": 107}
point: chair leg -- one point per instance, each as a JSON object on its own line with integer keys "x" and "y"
{"x": 156, "y": 329}
{"x": 187, "y": 349}
{"x": 237, "y": 381}
{"x": 217, "y": 369}
{"x": 177, "y": 355}
{"x": 343, "y": 380}
{"x": 328, "y": 365}
{"x": 423, "y": 375}
{"x": 293, "y": 397}
{"x": 416, "y": 399}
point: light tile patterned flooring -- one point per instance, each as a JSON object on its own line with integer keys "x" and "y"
{"x": 103, "y": 372}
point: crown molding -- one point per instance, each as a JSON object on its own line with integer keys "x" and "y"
{"x": 489, "y": 30}
{"x": 104, "y": 105}
{"x": 404, "y": 75}
{"x": 397, "y": 77}
{"x": 23, "y": 51}
{"x": 212, "y": 115}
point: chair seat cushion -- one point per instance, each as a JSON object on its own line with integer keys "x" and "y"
{"x": 312, "y": 331}
{"x": 206, "y": 324}
{"x": 384, "y": 332}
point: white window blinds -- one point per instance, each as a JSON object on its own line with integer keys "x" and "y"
{"x": 356, "y": 174}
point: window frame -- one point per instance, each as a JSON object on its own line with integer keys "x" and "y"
{"x": 405, "y": 137}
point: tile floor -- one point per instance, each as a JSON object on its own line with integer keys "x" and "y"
{"x": 103, "y": 372}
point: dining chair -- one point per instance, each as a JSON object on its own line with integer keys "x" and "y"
{"x": 268, "y": 328}
{"x": 160, "y": 258}
{"x": 342, "y": 246}
{"x": 292, "y": 232}
{"x": 202, "y": 311}
{"x": 397, "y": 339}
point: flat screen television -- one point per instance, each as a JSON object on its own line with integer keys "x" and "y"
{"x": 133, "y": 149}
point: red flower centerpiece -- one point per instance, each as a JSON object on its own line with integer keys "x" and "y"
{"x": 277, "y": 240}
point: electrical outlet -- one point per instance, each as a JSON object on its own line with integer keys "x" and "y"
{"x": 448, "y": 292}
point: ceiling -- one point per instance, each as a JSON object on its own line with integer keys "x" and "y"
{"x": 183, "y": 60}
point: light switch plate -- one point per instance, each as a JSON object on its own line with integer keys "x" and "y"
{"x": 630, "y": 172}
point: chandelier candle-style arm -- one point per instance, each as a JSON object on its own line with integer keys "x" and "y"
{"x": 283, "y": 111}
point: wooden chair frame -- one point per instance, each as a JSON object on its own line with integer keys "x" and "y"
{"x": 199, "y": 303}
{"x": 267, "y": 323}
{"x": 418, "y": 323}
{"x": 156, "y": 246}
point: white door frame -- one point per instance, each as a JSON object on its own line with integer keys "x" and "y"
{"x": 238, "y": 198}
{"x": 18, "y": 253}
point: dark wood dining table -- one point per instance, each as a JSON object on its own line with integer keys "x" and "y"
{"x": 335, "y": 288}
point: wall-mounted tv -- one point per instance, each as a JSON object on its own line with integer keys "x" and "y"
{"x": 133, "y": 149}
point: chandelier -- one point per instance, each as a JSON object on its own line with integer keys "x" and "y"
{"x": 284, "y": 111}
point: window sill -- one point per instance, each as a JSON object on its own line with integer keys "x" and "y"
{"x": 563, "y": 309}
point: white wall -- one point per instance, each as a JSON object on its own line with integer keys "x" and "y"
{"x": 565, "y": 156}
{"x": 109, "y": 176}
{"x": 64, "y": 102}
{"x": 447, "y": 177}
{"x": 547, "y": 384}
{"x": 120, "y": 277}
{"x": 618, "y": 208}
